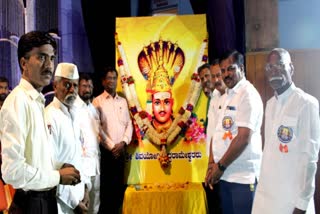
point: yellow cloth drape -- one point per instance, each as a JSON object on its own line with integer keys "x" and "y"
{"x": 186, "y": 198}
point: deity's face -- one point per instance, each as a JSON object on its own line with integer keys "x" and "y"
{"x": 162, "y": 104}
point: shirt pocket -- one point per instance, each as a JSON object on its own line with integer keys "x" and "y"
{"x": 122, "y": 116}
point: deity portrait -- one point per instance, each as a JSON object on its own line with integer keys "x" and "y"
{"x": 162, "y": 104}
{"x": 157, "y": 59}
{"x": 161, "y": 63}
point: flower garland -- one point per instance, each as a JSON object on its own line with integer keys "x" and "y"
{"x": 142, "y": 118}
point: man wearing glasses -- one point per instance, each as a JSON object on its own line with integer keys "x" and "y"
{"x": 292, "y": 139}
{"x": 236, "y": 138}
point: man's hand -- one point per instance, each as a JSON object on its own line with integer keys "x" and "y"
{"x": 298, "y": 211}
{"x": 81, "y": 209}
{"x": 83, "y": 206}
{"x": 213, "y": 175}
{"x": 209, "y": 175}
{"x": 86, "y": 198}
{"x": 118, "y": 149}
{"x": 69, "y": 175}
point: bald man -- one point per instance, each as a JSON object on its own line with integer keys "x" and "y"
{"x": 292, "y": 139}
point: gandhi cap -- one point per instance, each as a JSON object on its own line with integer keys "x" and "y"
{"x": 67, "y": 70}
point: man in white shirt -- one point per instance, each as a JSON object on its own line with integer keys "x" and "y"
{"x": 217, "y": 85}
{"x": 292, "y": 141}
{"x": 219, "y": 89}
{"x": 64, "y": 126}
{"x": 90, "y": 127}
{"x": 28, "y": 164}
{"x": 116, "y": 123}
{"x": 236, "y": 139}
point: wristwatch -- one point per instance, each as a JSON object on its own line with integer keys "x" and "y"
{"x": 221, "y": 167}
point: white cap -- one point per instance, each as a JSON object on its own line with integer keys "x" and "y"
{"x": 67, "y": 70}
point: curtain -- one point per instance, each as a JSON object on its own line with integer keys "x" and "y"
{"x": 225, "y": 24}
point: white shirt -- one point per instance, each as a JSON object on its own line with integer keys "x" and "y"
{"x": 26, "y": 147}
{"x": 65, "y": 129}
{"x": 213, "y": 108}
{"x": 115, "y": 118}
{"x": 241, "y": 106}
{"x": 288, "y": 178}
{"x": 89, "y": 124}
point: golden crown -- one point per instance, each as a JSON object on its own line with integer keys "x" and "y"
{"x": 161, "y": 63}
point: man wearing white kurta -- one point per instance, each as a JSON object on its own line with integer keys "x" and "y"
{"x": 90, "y": 127}
{"x": 292, "y": 139}
{"x": 64, "y": 127}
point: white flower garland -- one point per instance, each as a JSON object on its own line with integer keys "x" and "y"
{"x": 141, "y": 116}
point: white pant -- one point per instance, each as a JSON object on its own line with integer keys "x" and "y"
{"x": 94, "y": 194}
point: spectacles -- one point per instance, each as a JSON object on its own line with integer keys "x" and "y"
{"x": 69, "y": 85}
{"x": 278, "y": 66}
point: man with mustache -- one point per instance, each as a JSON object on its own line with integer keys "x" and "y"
{"x": 207, "y": 89}
{"x": 205, "y": 77}
{"x": 4, "y": 89}
{"x": 292, "y": 141}
{"x": 218, "y": 88}
{"x": 236, "y": 139}
{"x": 90, "y": 127}
{"x": 63, "y": 122}
{"x": 26, "y": 143}
{"x": 116, "y": 123}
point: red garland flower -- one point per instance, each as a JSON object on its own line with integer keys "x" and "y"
{"x": 123, "y": 80}
{"x": 189, "y": 107}
{"x": 130, "y": 80}
{"x": 133, "y": 110}
{"x": 181, "y": 111}
{"x": 120, "y": 62}
{"x": 143, "y": 114}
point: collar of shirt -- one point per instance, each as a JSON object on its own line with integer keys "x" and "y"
{"x": 215, "y": 93}
{"x": 106, "y": 95}
{"x": 79, "y": 103}
{"x": 283, "y": 97}
{"x": 31, "y": 91}
{"x": 237, "y": 87}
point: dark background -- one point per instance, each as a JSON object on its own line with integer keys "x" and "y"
{"x": 225, "y": 25}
